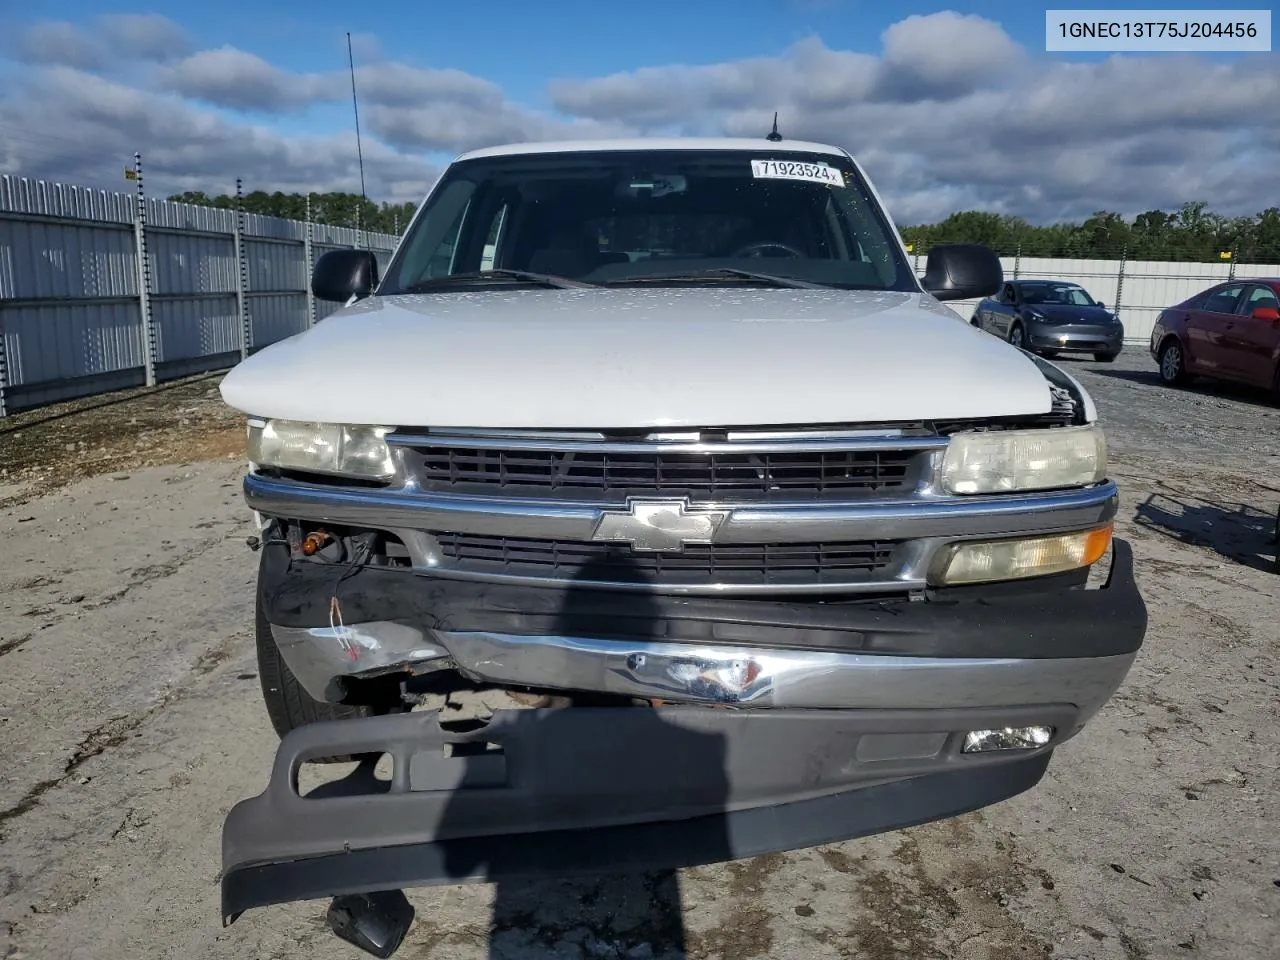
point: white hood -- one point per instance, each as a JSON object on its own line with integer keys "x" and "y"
{"x": 548, "y": 359}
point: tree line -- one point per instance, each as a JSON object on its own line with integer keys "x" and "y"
{"x": 335, "y": 209}
{"x": 1192, "y": 234}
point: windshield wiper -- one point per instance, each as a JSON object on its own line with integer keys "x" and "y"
{"x": 473, "y": 276}
{"x": 722, "y": 273}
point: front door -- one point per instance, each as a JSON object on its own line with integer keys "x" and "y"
{"x": 1208, "y": 327}
{"x": 1254, "y": 344}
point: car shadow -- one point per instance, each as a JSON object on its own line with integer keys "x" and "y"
{"x": 1220, "y": 389}
{"x": 581, "y": 905}
{"x": 1239, "y": 532}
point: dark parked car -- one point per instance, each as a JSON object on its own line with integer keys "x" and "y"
{"x": 1051, "y": 317}
{"x": 1229, "y": 332}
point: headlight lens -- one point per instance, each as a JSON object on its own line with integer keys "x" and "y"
{"x": 983, "y": 562}
{"x": 332, "y": 448}
{"x": 1001, "y": 461}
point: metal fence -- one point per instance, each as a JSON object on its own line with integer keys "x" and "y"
{"x": 101, "y": 290}
{"x": 1137, "y": 290}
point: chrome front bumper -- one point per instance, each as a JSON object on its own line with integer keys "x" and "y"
{"x": 694, "y": 673}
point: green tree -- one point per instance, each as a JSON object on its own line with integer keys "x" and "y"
{"x": 337, "y": 209}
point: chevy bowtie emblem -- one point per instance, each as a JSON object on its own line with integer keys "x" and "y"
{"x": 654, "y": 525}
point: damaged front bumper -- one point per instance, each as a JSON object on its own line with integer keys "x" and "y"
{"x": 831, "y": 721}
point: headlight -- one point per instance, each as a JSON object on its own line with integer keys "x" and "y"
{"x": 991, "y": 560}
{"x": 332, "y": 448}
{"x": 1036, "y": 315}
{"x": 1002, "y": 461}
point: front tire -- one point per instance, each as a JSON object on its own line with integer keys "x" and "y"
{"x": 1173, "y": 370}
{"x": 1105, "y": 357}
{"x": 1018, "y": 337}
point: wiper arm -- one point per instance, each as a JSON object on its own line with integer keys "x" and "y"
{"x": 723, "y": 273}
{"x": 472, "y": 276}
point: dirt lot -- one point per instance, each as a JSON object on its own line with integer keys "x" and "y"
{"x": 130, "y": 721}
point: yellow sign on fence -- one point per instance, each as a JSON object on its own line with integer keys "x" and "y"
{"x": 130, "y": 173}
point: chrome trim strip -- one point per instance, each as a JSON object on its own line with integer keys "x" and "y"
{"x": 798, "y": 679}
{"x": 824, "y": 443}
{"x": 395, "y": 509}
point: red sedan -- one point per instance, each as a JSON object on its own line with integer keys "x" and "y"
{"x": 1229, "y": 332}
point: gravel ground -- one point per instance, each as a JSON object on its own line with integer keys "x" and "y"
{"x": 130, "y": 721}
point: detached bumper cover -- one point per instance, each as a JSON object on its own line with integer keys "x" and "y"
{"x": 587, "y": 790}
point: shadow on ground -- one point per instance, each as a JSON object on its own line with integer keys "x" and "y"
{"x": 1240, "y": 532}
{"x": 1218, "y": 389}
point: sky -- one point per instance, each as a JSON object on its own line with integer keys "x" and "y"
{"x": 947, "y": 107}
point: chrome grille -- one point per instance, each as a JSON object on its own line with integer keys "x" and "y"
{"x": 786, "y": 564}
{"x": 712, "y": 476}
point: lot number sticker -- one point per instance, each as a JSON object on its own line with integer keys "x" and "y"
{"x": 791, "y": 170}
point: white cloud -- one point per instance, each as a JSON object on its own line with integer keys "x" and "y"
{"x": 949, "y": 114}
{"x": 58, "y": 42}
{"x": 231, "y": 78}
{"x": 147, "y": 36}
{"x": 953, "y": 114}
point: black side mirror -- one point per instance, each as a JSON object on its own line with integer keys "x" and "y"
{"x": 962, "y": 271}
{"x": 1101, "y": 305}
{"x": 342, "y": 274}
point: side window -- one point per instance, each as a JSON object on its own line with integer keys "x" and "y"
{"x": 1007, "y": 294}
{"x": 1225, "y": 300}
{"x": 1262, "y": 297}
{"x": 431, "y": 246}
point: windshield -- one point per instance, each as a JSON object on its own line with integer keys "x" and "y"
{"x": 1056, "y": 293}
{"x": 618, "y": 217}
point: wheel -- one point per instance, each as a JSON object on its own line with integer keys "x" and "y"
{"x": 1173, "y": 371}
{"x": 1017, "y": 337}
{"x": 1105, "y": 357}
{"x": 1052, "y": 354}
{"x": 289, "y": 705}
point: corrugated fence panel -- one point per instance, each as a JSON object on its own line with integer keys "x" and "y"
{"x": 194, "y": 278}
{"x": 276, "y": 267}
{"x": 191, "y": 263}
{"x": 189, "y": 217}
{"x": 199, "y": 326}
{"x": 276, "y": 316}
{"x": 46, "y": 199}
{"x": 43, "y": 258}
{"x": 58, "y": 341}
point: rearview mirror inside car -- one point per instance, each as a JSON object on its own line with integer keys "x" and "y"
{"x": 961, "y": 271}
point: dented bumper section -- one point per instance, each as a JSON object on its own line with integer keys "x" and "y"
{"x": 589, "y": 790}
{"x": 987, "y": 649}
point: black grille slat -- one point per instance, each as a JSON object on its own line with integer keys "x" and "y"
{"x": 774, "y": 563}
{"x": 706, "y": 476}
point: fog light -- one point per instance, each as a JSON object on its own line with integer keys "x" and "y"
{"x": 990, "y": 560}
{"x": 1010, "y": 738}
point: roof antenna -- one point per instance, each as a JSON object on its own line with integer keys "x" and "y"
{"x": 775, "y": 136}
{"x": 356, "y": 107}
